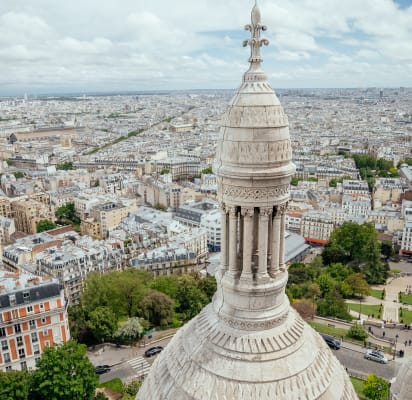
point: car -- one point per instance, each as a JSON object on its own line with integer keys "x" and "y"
{"x": 101, "y": 369}
{"x": 153, "y": 351}
{"x": 376, "y": 355}
{"x": 331, "y": 342}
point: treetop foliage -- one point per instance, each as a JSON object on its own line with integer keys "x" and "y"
{"x": 134, "y": 293}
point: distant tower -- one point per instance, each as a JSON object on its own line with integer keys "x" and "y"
{"x": 249, "y": 344}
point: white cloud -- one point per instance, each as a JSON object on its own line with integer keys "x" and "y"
{"x": 136, "y": 44}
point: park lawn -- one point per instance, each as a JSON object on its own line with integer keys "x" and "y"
{"x": 406, "y": 317}
{"x": 365, "y": 309}
{"x": 376, "y": 293}
{"x": 115, "y": 384}
{"x": 358, "y": 385}
{"x": 406, "y": 298}
{"x": 328, "y": 330}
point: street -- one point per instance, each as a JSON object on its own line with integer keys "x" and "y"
{"x": 355, "y": 362}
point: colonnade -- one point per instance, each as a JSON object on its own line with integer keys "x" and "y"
{"x": 252, "y": 240}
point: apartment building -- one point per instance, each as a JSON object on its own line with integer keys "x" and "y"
{"x": 387, "y": 191}
{"x": 5, "y": 207}
{"x": 104, "y": 217}
{"x": 33, "y": 316}
{"x": 28, "y": 212}
{"x": 317, "y": 227}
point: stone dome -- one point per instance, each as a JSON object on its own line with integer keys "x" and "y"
{"x": 249, "y": 343}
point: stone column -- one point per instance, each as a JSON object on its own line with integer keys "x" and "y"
{"x": 248, "y": 214}
{"x": 270, "y": 239}
{"x": 233, "y": 239}
{"x": 274, "y": 267}
{"x": 263, "y": 239}
{"x": 282, "y": 210}
{"x": 223, "y": 239}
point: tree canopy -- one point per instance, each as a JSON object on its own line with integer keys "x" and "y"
{"x": 64, "y": 373}
{"x": 66, "y": 214}
{"x": 134, "y": 293}
{"x": 14, "y": 385}
{"x": 45, "y": 225}
{"x": 358, "y": 246}
{"x": 375, "y": 388}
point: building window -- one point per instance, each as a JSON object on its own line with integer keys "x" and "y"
{"x": 12, "y": 299}
{"x": 15, "y": 314}
{"x": 37, "y": 360}
{"x": 2, "y": 332}
{"x": 32, "y": 324}
{"x": 19, "y": 340}
{"x": 36, "y": 349}
{"x": 17, "y": 328}
{"x": 4, "y": 345}
{"x": 26, "y": 296}
{"x": 8, "y": 368}
{"x": 23, "y": 365}
{"x": 22, "y": 354}
{"x": 47, "y": 344}
{"x": 30, "y": 309}
{"x": 6, "y": 357}
{"x": 45, "y": 332}
{"x": 34, "y": 338}
{"x": 41, "y": 306}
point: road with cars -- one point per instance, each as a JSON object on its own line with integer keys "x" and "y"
{"x": 134, "y": 364}
{"x": 356, "y": 363}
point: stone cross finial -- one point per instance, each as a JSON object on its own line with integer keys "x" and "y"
{"x": 255, "y": 42}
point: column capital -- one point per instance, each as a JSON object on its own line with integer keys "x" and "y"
{"x": 266, "y": 211}
{"x": 232, "y": 210}
{"x": 281, "y": 210}
{"x": 248, "y": 211}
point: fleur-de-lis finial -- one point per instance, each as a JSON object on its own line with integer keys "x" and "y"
{"x": 255, "y": 42}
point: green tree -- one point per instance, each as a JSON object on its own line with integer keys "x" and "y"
{"x": 14, "y": 385}
{"x": 298, "y": 273}
{"x": 207, "y": 284}
{"x": 102, "y": 323}
{"x": 333, "y": 305}
{"x": 157, "y": 308}
{"x": 357, "y": 332}
{"x": 358, "y": 285}
{"x": 122, "y": 291}
{"x": 190, "y": 298}
{"x": 358, "y": 246}
{"x": 326, "y": 283}
{"x": 294, "y": 181}
{"x": 375, "y": 388}
{"x": 45, "y": 225}
{"x": 387, "y": 249}
{"x": 167, "y": 284}
{"x": 19, "y": 175}
{"x": 64, "y": 373}
{"x": 77, "y": 324}
{"x": 129, "y": 332}
{"x": 132, "y": 388}
{"x": 67, "y": 165}
{"x": 66, "y": 214}
{"x": 207, "y": 171}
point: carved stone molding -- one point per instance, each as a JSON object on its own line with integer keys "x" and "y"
{"x": 248, "y": 212}
{"x": 232, "y": 211}
{"x": 253, "y": 326}
{"x": 254, "y": 193}
{"x": 266, "y": 211}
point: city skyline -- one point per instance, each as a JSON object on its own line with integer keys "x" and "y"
{"x": 94, "y": 47}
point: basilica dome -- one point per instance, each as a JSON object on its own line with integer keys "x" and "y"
{"x": 249, "y": 343}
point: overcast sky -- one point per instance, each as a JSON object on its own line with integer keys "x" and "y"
{"x": 117, "y": 45}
